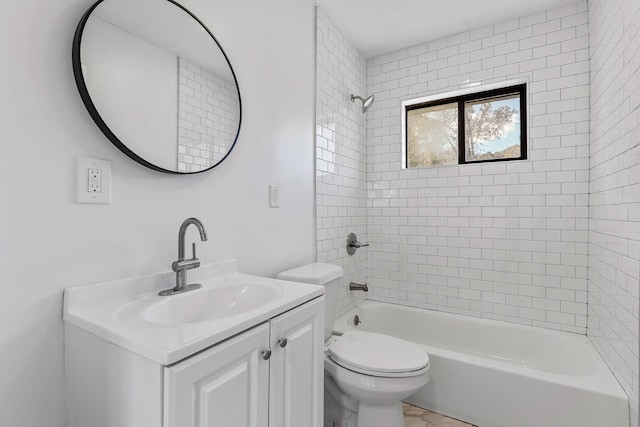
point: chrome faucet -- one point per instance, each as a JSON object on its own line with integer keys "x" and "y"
{"x": 181, "y": 265}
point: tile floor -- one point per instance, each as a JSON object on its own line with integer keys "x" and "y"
{"x": 418, "y": 417}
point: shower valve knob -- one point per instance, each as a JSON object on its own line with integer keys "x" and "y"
{"x": 353, "y": 244}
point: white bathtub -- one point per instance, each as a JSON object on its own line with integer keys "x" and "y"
{"x": 495, "y": 374}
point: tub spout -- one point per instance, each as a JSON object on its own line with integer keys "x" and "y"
{"x": 353, "y": 286}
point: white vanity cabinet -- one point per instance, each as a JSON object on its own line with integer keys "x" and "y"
{"x": 226, "y": 385}
{"x": 296, "y": 385}
{"x": 269, "y": 376}
{"x": 230, "y": 384}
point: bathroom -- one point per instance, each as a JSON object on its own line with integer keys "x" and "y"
{"x": 51, "y": 243}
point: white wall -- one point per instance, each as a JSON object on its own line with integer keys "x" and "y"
{"x": 341, "y": 181}
{"x": 505, "y": 240}
{"x": 614, "y": 201}
{"x": 49, "y": 243}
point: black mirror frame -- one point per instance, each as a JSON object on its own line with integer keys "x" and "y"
{"x": 95, "y": 115}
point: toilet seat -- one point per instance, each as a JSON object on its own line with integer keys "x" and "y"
{"x": 378, "y": 355}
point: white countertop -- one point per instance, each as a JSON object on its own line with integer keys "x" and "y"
{"x": 114, "y": 310}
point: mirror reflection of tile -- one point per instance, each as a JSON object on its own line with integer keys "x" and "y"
{"x": 418, "y": 417}
{"x": 209, "y": 113}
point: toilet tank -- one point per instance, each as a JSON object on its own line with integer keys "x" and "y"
{"x": 319, "y": 273}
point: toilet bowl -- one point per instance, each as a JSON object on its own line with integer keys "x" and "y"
{"x": 377, "y": 371}
{"x": 366, "y": 374}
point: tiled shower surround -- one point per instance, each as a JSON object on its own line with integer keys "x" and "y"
{"x": 505, "y": 240}
{"x": 208, "y": 111}
{"x": 341, "y": 175}
{"x": 614, "y": 202}
{"x": 552, "y": 241}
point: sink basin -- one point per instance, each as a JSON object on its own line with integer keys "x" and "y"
{"x": 166, "y": 329}
{"x": 211, "y": 303}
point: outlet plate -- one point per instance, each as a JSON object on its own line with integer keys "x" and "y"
{"x": 93, "y": 180}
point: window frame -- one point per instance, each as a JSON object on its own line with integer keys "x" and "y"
{"x": 519, "y": 89}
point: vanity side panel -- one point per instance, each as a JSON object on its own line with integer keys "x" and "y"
{"x": 108, "y": 386}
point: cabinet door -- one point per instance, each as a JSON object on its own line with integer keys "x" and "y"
{"x": 224, "y": 386}
{"x": 297, "y": 368}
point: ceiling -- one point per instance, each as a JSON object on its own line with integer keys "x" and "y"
{"x": 380, "y": 26}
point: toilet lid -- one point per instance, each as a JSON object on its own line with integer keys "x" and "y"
{"x": 372, "y": 352}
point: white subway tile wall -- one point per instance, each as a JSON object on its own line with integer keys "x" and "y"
{"x": 614, "y": 201}
{"x": 341, "y": 175}
{"x": 208, "y": 114}
{"x": 507, "y": 240}
{"x": 521, "y": 241}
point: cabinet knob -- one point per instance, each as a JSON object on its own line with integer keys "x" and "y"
{"x": 282, "y": 342}
{"x": 266, "y": 354}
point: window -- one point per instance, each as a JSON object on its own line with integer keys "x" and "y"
{"x": 486, "y": 126}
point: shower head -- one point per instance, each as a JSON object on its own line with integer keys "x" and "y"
{"x": 366, "y": 102}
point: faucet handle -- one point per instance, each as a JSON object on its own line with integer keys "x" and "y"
{"x": 193, "y": 247}
{"x": 187, "y": 264}
{"x": 353, "y": 244}
{"x": 358, "y": 245}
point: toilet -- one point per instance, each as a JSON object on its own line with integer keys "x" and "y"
{"x": 366, "y": 375}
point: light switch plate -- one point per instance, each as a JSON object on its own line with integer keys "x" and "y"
{"x": 93, "y": 180}
{"x": 274, "y": 196}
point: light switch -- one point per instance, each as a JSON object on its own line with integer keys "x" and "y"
{"x": 274, "y": 196}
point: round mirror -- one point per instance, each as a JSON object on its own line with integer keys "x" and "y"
{"x": 157, "y": 83}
